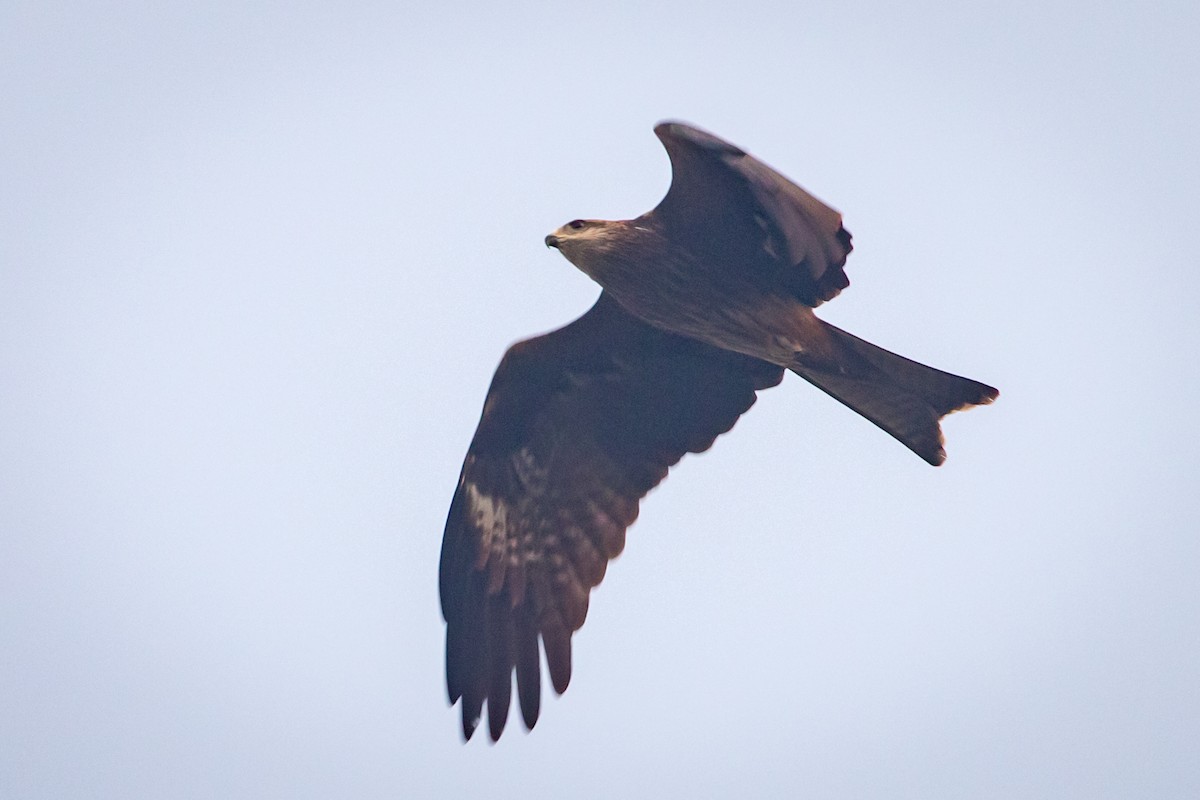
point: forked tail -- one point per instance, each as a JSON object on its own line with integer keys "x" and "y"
{"x": 903, "y": 397}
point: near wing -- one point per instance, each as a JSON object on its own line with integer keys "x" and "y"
{"x": 578, "y": 425}
{"x": 741, "y": 211}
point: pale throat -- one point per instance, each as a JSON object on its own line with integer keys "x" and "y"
{"x": 620, "y": 252}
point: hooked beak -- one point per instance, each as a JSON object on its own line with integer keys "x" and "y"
{"x": 552, "y": 241}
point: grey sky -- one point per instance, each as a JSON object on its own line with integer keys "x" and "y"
{"x": 258, "y": 263}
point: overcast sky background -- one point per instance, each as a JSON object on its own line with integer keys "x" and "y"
{"x": 259, "y": 261}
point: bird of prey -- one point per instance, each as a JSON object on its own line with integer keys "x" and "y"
{"x": 705, "y": 300}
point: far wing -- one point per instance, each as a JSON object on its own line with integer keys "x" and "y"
{"x": 740, "y": 211}
{"x": 578, "y": 425}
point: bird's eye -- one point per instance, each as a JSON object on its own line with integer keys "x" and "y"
{"x": 576, "y": 224}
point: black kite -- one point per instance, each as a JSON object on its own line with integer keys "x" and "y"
{"x": 706, "y": 299}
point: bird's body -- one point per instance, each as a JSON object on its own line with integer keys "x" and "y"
{"x": 728, "y": 311}
{"x": 707, "y": 299}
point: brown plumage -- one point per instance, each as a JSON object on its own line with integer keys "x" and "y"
{"x": 707, "y": 299}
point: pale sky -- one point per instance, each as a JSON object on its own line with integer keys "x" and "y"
{"x": 258, "y": 263}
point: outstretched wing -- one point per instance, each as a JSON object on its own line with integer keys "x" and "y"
{"x": 737, "y": 210}
{"x": 578, "y": 425}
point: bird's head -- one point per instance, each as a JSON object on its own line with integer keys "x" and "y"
{"x": 586, "y": 242}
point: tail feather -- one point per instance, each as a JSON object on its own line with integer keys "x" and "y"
{"x": 901, "y": 396}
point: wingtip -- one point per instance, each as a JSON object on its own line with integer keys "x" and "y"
{"x": 497, "y": 722}
{"x": 469, "y": 724}
{"x": 496, "y": 726}
{"x": 529, "y": 715}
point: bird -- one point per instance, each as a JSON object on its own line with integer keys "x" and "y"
{"x": 705, "y": 300}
